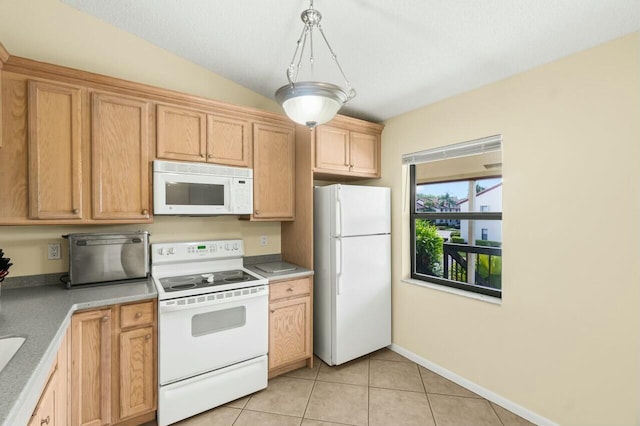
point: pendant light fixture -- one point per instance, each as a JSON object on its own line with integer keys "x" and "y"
{"x": 311, "y": 102}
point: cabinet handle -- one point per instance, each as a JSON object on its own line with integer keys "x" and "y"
{"x": 202, "y": 155}
{"x": 272, "y": 311}
{"x": 210, "y": 155}
{"x": 257, "y": 212}
{"x": 105, "y": 318}
{"x": 145, "y": 211}
{"x": 290, "y": 289}
{"x": 138, "y": 314}
{"x": 148, "y": 336}
{"x": 75, "y": 211}
{"x": 44, "y": 421}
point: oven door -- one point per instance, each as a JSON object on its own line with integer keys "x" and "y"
{"x": 203, "y": 333}
{"x": 191, "y": 194}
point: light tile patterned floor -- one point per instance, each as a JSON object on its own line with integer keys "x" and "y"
{"x": 380, "y": 389}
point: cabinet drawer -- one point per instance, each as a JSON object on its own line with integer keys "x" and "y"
{"x": 134, "y": 315}
{"x": 284, "y": 289}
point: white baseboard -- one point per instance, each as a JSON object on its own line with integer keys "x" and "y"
{"x": 475, "y": 388}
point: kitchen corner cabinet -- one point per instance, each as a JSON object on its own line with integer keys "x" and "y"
{"x": 273, "y": 172}
{"x": 193, "y": 135}
{"x": 347, "y": 149}
{"x": 53, "y": 406}
{"x": 113, "y": 377}
{"x": 290, "y": 325}
{"x": 120, "y": 157}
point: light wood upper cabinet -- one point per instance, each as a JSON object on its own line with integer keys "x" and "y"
{"x": 364, "y": 153}
{"x": 120, "y": 157}
{"x": 55, "y": 151}
{"x": 332, "y": 149}
{"x": 194, "y": 135}
{"x": 228, "y": 140}
{"x": 347, "y": 149}
{"x": 273, "y": 172}
{"x": 290, "y": 325}
{"x": 91, "y": 368}
{"x": 181, "y": 134}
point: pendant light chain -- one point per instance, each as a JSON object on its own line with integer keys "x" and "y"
{"x": 311, "y": 19}
{"x": 312, "y": 103}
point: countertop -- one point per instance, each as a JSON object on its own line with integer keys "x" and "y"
{"x": 299, "y": 272}
{"x": 42, "y": 315}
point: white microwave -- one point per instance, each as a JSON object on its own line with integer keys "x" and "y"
{"x": 198, "y": 189}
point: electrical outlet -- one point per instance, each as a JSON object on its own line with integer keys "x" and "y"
{"x": 53, "y": 251}
{"x": 263, "y": 240}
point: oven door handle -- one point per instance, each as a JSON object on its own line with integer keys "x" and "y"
{"x": 163, "y": 307}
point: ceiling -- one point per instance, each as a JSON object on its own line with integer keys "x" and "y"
{"x": 399, "y": 55}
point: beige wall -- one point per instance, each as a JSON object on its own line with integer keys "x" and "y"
{"x": 50, "y": 31}
{"x": 564, "y": 343}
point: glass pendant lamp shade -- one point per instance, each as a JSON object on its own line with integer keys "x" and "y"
{"x": 311, "y": 103}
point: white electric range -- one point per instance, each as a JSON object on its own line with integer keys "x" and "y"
{"x": 212, "y": 325}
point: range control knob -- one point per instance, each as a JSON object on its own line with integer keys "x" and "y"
{"x": 161, "y": 251}
{"x": 172, "y": 250}
{"x": 226, "y": 246}
{"x": 235, "y": 246}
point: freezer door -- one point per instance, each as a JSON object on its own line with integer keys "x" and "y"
{"x": 362, "y": 210}
{"x": 362, "y": 317}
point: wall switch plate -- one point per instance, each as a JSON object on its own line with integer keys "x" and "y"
{"x": 263, "y": 240}
{"x": 53, "y": 251}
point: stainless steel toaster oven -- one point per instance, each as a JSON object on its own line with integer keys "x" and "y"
{"x": 104, "y": 257}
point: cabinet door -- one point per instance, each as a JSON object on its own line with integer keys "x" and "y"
{"x": 332, "y": 149}
{"x": 46, "y": 412}
{"x": 120, "y": 157}
{"x": 181, "y": 134}
{"x": 364, "y": 153}
{"x": 137, "y": 372}
{"x": 273, "y": 172}
{"x": 289, "y": 331}
{"x": 228, "y": 141}
{"x": 55, "y": 167}
{"x": 91, "y": 368}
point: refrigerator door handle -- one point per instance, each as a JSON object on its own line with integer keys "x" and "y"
{"x": 338, "y": 213}
{"x": 338, "y": 264}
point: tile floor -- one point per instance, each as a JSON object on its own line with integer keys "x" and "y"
{"x": 381, "y": 389}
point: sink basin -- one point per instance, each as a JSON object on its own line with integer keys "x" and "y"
{"x": 8, "y": 347}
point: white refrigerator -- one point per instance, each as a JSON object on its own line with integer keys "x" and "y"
{"x": 352, "y": 263}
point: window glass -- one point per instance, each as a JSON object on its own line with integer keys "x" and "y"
{"x": 456, "y": 222}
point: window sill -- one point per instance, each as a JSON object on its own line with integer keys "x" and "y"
{"x": 468, "y": 294}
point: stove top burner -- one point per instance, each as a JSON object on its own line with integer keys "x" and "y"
{"x": 211, "y": 279}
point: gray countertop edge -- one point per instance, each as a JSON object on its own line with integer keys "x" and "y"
{"x": 18, "y": 400}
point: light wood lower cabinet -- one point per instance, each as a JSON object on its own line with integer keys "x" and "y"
{"x": 91, "y": 368}
{"x": 53, "y": 408}
{"x": 113, "y": 376}
{"x": 290, "y": 325}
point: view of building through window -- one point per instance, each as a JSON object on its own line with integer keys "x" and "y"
{"x": 456, "y": 237}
